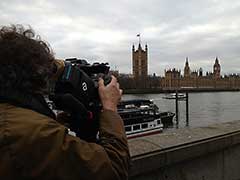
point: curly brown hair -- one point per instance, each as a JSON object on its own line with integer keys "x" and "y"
{"x": 25, "y": 60}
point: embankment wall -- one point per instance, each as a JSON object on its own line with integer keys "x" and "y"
{"x": 205, "y": 153}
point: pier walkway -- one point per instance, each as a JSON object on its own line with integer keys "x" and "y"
{"x": 205, "y": 153}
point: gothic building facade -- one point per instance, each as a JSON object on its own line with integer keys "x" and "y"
{"x": 196, "y": 79}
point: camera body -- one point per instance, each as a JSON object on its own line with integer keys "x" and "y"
{"x": 76, "y": 92}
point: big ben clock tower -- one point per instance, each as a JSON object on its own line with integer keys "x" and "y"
{"x": 216, "y": 69}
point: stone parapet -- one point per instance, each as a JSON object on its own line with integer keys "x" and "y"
{"x": 175, "y": 149}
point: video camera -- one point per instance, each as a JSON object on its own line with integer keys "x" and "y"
{"x": 76, "y": 92}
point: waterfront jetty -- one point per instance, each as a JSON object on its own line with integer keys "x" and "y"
{"x": 203, "y": 153}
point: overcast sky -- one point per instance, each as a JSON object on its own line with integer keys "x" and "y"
{"x": 105, "y": 30}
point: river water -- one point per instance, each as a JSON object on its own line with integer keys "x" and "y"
{"x": 204, "y": 108}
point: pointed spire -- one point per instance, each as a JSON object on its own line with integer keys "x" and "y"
{"x": 133, "y": 47}
{"x": 139, "y": 46}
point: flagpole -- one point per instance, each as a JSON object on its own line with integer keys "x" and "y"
{"x": 139, "y": 38}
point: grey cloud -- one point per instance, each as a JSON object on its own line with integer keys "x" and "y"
{"x": 105, "y": 30}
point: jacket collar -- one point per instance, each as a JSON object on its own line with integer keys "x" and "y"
{"x": 35, "y": 102}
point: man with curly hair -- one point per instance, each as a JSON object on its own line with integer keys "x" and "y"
{"x": 33, "y": 145}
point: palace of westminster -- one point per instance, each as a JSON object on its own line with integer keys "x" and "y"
{"x": 173, "y": 78}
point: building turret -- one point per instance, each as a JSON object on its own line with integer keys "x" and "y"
{"x": 200, "y": 72}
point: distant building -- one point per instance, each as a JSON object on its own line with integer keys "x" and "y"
{"x": 172, "y": 78}
{"x": 114, "y": 73}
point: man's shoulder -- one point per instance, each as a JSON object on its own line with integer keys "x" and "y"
{"x": 15, "y": 112}
{"x": 23, "y": 121}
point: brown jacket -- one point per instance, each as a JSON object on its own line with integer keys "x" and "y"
{"x": 34, "y": 146}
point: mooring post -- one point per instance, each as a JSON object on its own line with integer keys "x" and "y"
{"x": 177, "y": 108}
{"x": 187, "y": 110}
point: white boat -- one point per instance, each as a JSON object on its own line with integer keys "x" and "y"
{"x": 144, "y": 129}
{"x": 141, "y": 117}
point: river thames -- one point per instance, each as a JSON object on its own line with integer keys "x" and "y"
{"x": 204, "y": 108}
